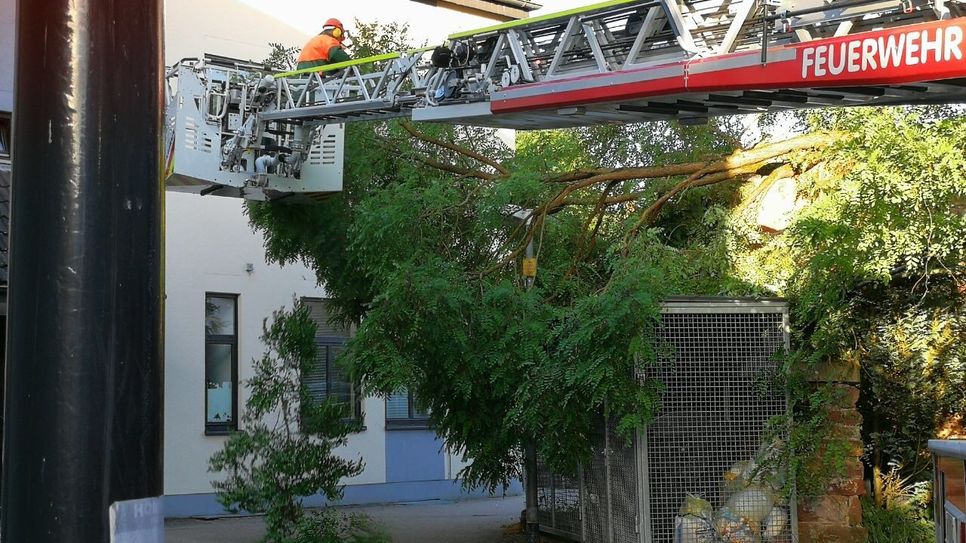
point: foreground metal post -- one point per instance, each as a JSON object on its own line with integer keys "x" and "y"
{"x": 530, "y": 454}
{"x": 83, "y": 414}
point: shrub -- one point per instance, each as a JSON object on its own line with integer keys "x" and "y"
{"x": 272, "y": 463}
{"x": 899, "y": 512}
{"x": 896, "y": 524}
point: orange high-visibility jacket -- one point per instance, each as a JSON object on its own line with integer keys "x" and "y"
{"x": 319, "y": 48}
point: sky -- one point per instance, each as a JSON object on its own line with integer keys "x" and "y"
{"x": 427, "y": 24}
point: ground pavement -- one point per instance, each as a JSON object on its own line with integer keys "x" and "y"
{"x": 470, "y": 521}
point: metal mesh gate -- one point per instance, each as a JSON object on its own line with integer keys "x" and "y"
{"x": 610, "y": 488}
{"x": 558, "y": 500}
{"x": 696, "y": 474}
{"x": 704, "y": 453}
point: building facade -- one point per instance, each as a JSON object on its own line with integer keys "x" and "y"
{"x": 219, "y": 290}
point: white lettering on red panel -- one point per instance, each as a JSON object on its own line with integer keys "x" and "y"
{"x": 884, "y": 52}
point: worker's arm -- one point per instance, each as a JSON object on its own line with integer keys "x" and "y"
{"x": 337, "y": 54}
{"x": 306, "y": 64}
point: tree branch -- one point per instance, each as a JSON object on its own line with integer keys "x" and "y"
{"x": 469, "y": 153}
{"x": 577, "y": 175}
{"x": 452, "y": 168}
{"x": 739, "y": 162}
{"x": 628, "y": 174}
{"x": 609, "y": 201}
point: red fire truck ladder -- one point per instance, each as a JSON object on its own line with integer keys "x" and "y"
{"x": 631, "y": 61}
{"x": 242, "y": 130}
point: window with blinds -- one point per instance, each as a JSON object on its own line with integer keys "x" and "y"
{"x": 5, "y": 136}
{"x": 329, "y": 380}
{"x": 404, "y": 413}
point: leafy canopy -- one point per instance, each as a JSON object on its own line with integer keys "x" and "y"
{"x": 422, "y": 251}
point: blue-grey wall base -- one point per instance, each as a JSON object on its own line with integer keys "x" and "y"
{"x": 206, "y": 505}
{"x": 414, "y": 455}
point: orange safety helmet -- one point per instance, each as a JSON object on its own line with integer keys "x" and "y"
{"x": 338, "y": 31}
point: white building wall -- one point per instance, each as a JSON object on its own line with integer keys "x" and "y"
{"x": 209, "y": 244}
{"x": 222, "y": 27}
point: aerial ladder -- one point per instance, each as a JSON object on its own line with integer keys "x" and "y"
{"x": 240, "y": 129}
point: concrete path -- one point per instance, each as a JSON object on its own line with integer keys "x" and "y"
{"x": 471, "y": 521}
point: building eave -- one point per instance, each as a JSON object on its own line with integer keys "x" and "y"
{"x": 501, "y": 10}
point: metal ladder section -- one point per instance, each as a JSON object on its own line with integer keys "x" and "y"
{"x": 634, "y": 60}
{"x": 380, "y": 87}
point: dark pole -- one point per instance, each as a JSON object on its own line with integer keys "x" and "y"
{"x": 530, "y": 454}
{"x": 83, "y": 413}
{"x": 530, "y": 488}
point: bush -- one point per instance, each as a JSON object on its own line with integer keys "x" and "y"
{"x": 328, "y": 526}
{"x": 899, "y": 511}
{"x": 272, "y": 463}
{"x": 903, "y": 524}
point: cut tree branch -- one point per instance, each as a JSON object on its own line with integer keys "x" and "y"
{"x": 740, "y": 162}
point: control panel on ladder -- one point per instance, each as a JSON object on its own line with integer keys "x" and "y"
{"x": 216, "y": 142}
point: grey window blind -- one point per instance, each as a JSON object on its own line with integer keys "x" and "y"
{"x": 328, "y": 379}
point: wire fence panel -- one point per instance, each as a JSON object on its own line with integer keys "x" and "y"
{"x": 558, "y": 501}
{"x": 597, "y": 499}
{"x": 709, "y": 453}
{"x": 622, "y": 459}
{"x": 705, "y": 470}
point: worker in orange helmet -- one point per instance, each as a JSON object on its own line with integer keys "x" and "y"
{"x": 326, "y": 48}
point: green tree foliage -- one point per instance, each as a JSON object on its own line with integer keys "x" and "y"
{"x": 421, "y": 250}
{"x": 281, "y": 57}
{"x": 370, "y": 39}
{"x": 885, "y": 278}
{"x": 271, "y": 463}
{"x": 874, "y": 263}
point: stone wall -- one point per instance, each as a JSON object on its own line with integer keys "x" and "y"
{"x": 836, "y": 517}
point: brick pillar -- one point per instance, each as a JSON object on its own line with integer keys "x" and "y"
{"x": 836, "y": 517}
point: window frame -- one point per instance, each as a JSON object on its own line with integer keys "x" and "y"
{"x": 357, "y": 416}
{"x": 6, "y": 119}
{"x": 223, "y": 428}
{"x": 411, "y": 422}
